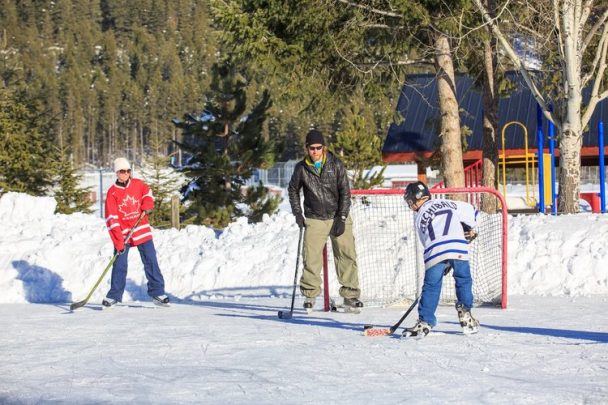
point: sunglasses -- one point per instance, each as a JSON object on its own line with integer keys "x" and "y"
{"x": 315, "y": 147}
{"x": 123, "y": 171}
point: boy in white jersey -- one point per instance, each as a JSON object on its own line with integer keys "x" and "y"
{"x": 445, "y": 228}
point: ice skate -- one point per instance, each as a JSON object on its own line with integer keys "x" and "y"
{"x": 161, "y": 300}
{"x": 469, "y": 324}
{"x": 418, "y": 331}
{"x": 108, "y": 303}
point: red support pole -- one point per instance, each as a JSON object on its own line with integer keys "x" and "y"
{"x": 325, "y": 281}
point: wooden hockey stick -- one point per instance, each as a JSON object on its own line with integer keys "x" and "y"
{"x": 370, "y": 331}
{"x": 82, "y": 303}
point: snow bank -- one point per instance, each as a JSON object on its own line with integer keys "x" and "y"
{"x": 563, "y": 255}
{"x": 22, "y": 208}
{"x": 46, "y": 257}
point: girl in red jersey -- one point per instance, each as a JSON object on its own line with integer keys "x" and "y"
{"x": 125, "y": 201}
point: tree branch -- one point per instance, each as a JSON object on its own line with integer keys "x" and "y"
{"x": 516, "y": 60}
{"x": 560, "y": 39}
{"x": 599, "y": 56}
{"x": 593, "y": 31}
{"x": 371, "y": 9}
{"x": 400, "y": 63}
{"x": 595, "y": 99}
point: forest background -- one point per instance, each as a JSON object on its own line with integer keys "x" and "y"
{"x": 239, "y": 83}
{"x": 84, "y": 81}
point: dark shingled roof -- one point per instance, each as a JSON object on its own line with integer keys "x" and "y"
{"x": 418, "y": 104}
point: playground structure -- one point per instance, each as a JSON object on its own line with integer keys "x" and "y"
{"x": 543, "y": 169}
{"x": 415, "y": 139}
{"x": 538, "y": 175}
{"x": 527, "y": 159}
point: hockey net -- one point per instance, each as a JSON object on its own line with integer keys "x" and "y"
{"x": 389, "y": 255}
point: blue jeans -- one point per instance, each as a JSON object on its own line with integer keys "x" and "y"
{"x": 431, "y": 290}
{"x": 147, "y": 252}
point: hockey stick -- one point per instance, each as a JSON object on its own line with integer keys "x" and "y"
{"x": 285, "y": 314}
{"x": 368, "y": 330}
{"x": 383, "y": 332}
{"x": 82, "y": 303}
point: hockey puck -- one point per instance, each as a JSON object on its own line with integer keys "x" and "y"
{"x": 366, "y": 327}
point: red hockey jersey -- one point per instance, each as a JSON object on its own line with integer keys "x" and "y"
{"x": 123, "y": 207}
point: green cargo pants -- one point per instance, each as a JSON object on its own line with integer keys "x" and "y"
{"x": 315, "y": 236}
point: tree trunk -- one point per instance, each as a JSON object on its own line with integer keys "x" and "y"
{"x": 569, "y": 171}
{"x": 490, "y": 115}
{"x": 451, "y": 144}
{"x": 571, "y": 128}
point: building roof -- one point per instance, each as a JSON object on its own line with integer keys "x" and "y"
{"x": 417, "y": 135}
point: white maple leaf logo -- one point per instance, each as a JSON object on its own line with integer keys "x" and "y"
{"x": 129, "y": 207}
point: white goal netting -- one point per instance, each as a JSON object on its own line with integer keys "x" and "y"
{"x": 389, "y": 255}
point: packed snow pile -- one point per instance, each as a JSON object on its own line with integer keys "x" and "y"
{"x": 558, "y": 255}
{"x": 47, "y": 257}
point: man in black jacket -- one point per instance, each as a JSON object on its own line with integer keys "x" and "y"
{"x": 323, "y": 179}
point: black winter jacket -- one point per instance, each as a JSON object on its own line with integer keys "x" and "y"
{"x": 326, "y": 195}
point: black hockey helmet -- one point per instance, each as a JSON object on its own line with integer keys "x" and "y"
{"x": 415, "y": 192}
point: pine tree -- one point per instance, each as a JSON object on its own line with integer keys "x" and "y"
{"x": 165, "y": 182}
{"x": 69, "y": 195}
{"x": 313, "y": 56}
{"x": 25, "y": 154}
{"x": 359, "y": 147}
{"x": 261, "y": 202}
{"x": 226, "y": 146}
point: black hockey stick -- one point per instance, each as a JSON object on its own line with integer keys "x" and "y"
{"x": 368, "y": 330}
{"x": 82, "y": 303}
{"x": 285, "y": 314}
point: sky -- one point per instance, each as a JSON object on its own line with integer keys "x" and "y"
{"x": 221, "y": 341}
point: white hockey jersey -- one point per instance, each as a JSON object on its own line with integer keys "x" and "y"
{"x": 439, "y": 227}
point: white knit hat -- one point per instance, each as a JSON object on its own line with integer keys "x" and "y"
{"x": 121, "y": 164}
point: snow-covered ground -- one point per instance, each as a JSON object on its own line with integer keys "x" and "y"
{"x": 221, "y": 341}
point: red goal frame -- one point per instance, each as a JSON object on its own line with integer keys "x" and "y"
{"x": 454, "y": 190}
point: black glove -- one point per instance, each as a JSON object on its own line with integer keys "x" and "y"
{"x": 300, "y": 220}
{"x": 339, "y": 226}
{"x": 119, "y": 252}
{"x": 148, "y": 212}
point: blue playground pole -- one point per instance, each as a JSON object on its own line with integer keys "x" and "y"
{"x": 600, "y": 142}
{"x": 552, "y": 150}
{"x": 541, "y": 176}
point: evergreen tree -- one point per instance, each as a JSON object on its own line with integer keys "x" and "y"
{"x": 108, "y": 72}
{"x": 260, "y": 202}
{"x": 314, "y": 56}
{"x": 69, "y": 195}
{"x": 359, "y": 147}
{"x": 226, "y": 146}
{"x": 25, "y": 153}
{"x": 165, "y": 182}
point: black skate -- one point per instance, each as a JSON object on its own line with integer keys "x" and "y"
{"x": 350, "y": 305}
{"x": 309, "y": 304}
{"x": 418, "y": 331}
{"x": 161, "y": 300}
{"x": 469, "y": 324}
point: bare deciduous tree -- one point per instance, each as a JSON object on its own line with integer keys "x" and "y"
{"x": 569, "y": 41}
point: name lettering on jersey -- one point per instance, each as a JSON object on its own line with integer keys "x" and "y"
{"x": 129, "y": 207}
{"x": 429, "y": 212}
